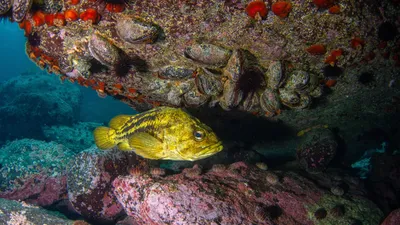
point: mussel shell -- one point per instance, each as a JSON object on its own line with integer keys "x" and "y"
{"x": 103, "y": 51}
{"x": 289, "y": 97}
{"x": 20, "y": 8}
{"x": 135, "y": 31}
{"x": 5, "y": 5}
{"x": 269, "y": 101}
{"x": 208, "y": 54}
{"x": 251, "y": 102}
{"x": 305, "y": 101}
{"x": 208, "y": 84}
{"x": 275, "y": 75}
{"x": 235, "y": 66}
{"x": 176, "y": 72}
{"x": 317, "y": 92}
{"x": 298, "y": 80}
{"x": 231, "y": 96}
{"x": 193, "y": 98}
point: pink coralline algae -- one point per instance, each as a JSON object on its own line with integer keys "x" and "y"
{"x": 39, "y": 190}
{"x": 89, "y": 183}
{"x": 393, "y": 218}
{"x": 236, "y": 195}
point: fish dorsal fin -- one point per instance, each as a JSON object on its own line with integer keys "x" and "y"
{"x": 118, "y": 121}
{"x": 146, "y": 145}
{"x": 124, "y": 146}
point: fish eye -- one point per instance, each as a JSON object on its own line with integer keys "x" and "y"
{"x": 199, "y": 135}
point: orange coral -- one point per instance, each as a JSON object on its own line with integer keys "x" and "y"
{"x": 38, "y": 18}
{"x": 330, "y": 83}
{"x": 334, "y": 9}
{"x": 337, "y": 52}
{"x": 317, "y": 49}
{"x": 111, "y": 7}
{"x": 357, "y": 43}
{"x": 27, "y": 28}
{"x": 257, "y": 9}
{"x": 74, "y": 2}
{"x": 281, "y": 9}
{"x": 59, "y": 20}
{"x": 323, "y": 3}
{"x": 49, "y": 19}
{"x": 90, "y": 15}
{"x": 71, "y": 15}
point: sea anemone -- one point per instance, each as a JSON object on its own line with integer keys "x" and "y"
{"x": 281, "y": 9}
{"x": 90, "y": 15}
{"x": 71, "y": 15}
{"x": 256, "y": 9}
{"x": 34, "y": 39}
{"x": 317, "y": 49}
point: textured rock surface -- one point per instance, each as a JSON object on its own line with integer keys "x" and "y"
{"x": 89, "y": 183}
{"x": 77, "y": 137}
{"x": 393, "y": 218}
{"x": 32, "y": 101}
{"x": 34, "y": 171}
{"x": 237, "y": 194}
{"x": 19, "y": 213}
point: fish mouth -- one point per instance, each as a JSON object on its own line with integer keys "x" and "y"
{"x": 211, "y": 149}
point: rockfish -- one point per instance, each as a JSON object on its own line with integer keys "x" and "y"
{"x": 160, "y": 133}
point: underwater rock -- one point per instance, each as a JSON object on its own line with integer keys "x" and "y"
{"x": 89, "y": 183}
{"x": 34, "y": 171}
{"x": 232, "y": 195}
{"x": 393, "y": 218}
{"x": 316, "y": 149}
{"x": 13, "y": 212}
{"x": 29, "y": 102}
{"x": 77, "y": 137}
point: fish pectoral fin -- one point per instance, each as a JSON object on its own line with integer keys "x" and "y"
{"x": 104, "y": 137}
{"x": 146, "y": 145}
{"x": 118, "y": 121}
{"x": 124, "y": 146}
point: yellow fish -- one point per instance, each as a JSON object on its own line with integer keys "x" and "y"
{"x": 160, "y": 133}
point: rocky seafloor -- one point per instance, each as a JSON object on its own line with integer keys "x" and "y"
{"x": 308, "y": 94}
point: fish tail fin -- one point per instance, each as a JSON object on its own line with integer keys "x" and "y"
{"x": 104, "y": 137}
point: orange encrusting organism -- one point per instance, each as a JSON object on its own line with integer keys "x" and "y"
{"x": 59, "y": 20}
{"x": 257, "y": 8}
{"x": 90, "y": 15}
{"x": 281, "y": 9}
{"x": 333, "y": 57}
{"x": 113, "y": 7}
{"x": 357, "y": 43}
{"x": 49, "y": 19}
{"x": 71, "y": 15}
{"x": 323, "y": 3}
{"x": 317, "y": 49}
{"x": 38, "y": 18}
{"x": 74, "y": 2}
{"x": 334, "y": 9}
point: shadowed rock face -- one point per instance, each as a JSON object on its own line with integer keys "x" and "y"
{"x": 210, "y": 53}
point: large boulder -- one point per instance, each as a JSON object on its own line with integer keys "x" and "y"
{"x": 239, "y": 194}
{"x": 29, "y": 102}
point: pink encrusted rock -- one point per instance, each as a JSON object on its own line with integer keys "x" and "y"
{"x": 89, "y": 183}
{"x": 40, "y": 190}
{"x": 238, "y": 194}
{"x": 393, "y": 218}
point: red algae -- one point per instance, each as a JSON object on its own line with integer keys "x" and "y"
{"x": 281, "y": 9}
{"x": 323, "y": 3}
{"x": 317, "y": 49}
{"x": 257, "y": 8}
{"x": 334, "y": 9}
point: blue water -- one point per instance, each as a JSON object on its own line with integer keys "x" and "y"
{"x": 14, "y": 61}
